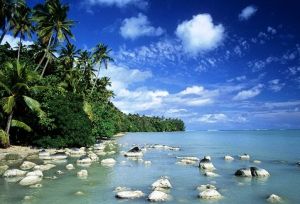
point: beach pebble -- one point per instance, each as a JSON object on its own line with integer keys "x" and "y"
{"x": 70, "y": 167}
{"x": 158, "y": 196}
{"x": 162, "y": 183}
{"x": 210, "y": 194}
{"x": 82, "y": 173}
{"x": 26, "y": 165}
{"x": 244, "y": 157}
{"x": 274, "y": 199}
{"x": 228, "y": 158}
{"x": 129, "y": 194}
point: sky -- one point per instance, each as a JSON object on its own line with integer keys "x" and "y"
{"x": 214, "y": 64}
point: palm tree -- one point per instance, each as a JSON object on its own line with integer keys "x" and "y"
{"x": 101, "y": 56}
{"x": 7, "y": 11}
{"x": 52, "y": 22}
{"x": 50, "y": 56}
{"x": 15, "y": 83}
{"x": 22, "y": 25}
{"x": 86, "y": 65}
{"x": 68, "y": 55}
{"x": 39, "y": 49}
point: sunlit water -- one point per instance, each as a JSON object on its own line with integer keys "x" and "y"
{"x": 278, "y": 150}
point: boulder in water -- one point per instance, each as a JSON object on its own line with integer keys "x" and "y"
{"x": 44, "y": 167}
{"x": 134, "y": 152}
{"x": 210, "y": 194}
{"x": 162, "y": 183}
{"x": 82, "y": 173}
{"x": 127, "y": 194}
{"x": 14, "y": 173}
{"x": 206, "y": 164}
{"x": 158, "y": 196}
{"x": 244, "y": 157}
{"x": 30, "y": 180}
{"x": 70, "y": 166}
{"x": 27, "y": 165}
{"x": 108, "y": 162}
{"x": 273, "y": 198}
{"x": 228, "y": 158}
{"x": 205, "y": 187}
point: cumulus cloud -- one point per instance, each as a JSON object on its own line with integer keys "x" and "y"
{"x": 135, "y": 27}
{"x": 247, "y": 13}
{"x": 200, "y": 33}
{"x": 247, "y": 94}
{"x": 213, "y": 118}
{"x": 14, "y": 41}
{"x": 197, "y": 90}
{"x": 118, "y": 3}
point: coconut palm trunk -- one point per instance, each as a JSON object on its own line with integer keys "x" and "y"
{"x": 48, "y": 46}
{"x": 44, "y": 69}
{"x": 19, "y": 49}
{"x": 8, "y": 124}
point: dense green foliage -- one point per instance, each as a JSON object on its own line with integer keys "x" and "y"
{"x": 59, "y": 101}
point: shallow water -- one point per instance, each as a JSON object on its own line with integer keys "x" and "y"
{"x": 278, "y": 150}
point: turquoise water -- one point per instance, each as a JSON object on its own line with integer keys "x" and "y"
{"x": 277, "y": 150}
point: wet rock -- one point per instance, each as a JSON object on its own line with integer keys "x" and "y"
{"x": 205, "y": 187}
{"x": 59, "y": 172}
{"x": 164, "y": 147}
{"x": 244, "y": 157}
{"x": 70, "y": 166}
{"x": 27, "y": 165}
{"x": 38, "y": 173}
{"x": 43, "y": 154}
{"x": 228, "y": 158}
{"x": 274, "y": 199}
{"x": 244, "y": 172}
{"x": 38, "y": 185}
{"x": 79, "y": 193}
{"x": 129, "y": 194}
{"x": 210, "y": 194}
{"x": 211, "y": 174}
{"x": 14, "y": 173}
{"x": 84, "y": 160}
{"x": 134, "y": 152}
{"x": 162, "y": 183}
{"x": 189, "y": 158}
{"x": 82, "y": 173}
{"x": 206, "y": 164}
{"x": 108, "y": 162}
{"x": 59, "y": 156}
{"x": 76, "y": 152}
{"x": 3, "y": 168}
{"x": 158, "y": 196}
{"x": 44, "y": 167}
{"x": 93, "y": 156}
{"x": 256, "y": 161}
{"x": 30, "y": 180}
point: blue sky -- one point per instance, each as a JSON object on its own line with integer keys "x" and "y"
{"x": 214, "y": 64}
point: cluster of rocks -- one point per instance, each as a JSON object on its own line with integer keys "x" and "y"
{"x": 252, "y": 172}
{"x": 160, "y": 191}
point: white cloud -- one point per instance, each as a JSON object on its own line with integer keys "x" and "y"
{"x": 275, "y": 85}
{"x": 135, "y": 27}
{"x": 197, "y": 90}
{"x": 247, "y": 94}
{"x": 200, "y": 34}
{"x": 118, "y": 3}
{"x": 271, "y": 30}
{"x": 213, "y": 118}
{"x": 247, "y": 12}
{"x": 14, "y": 41}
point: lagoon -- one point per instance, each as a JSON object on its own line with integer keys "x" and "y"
{"x": 278, "y": 152}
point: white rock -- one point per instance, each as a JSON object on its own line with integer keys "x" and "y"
{"x": 93, "y": 157}
{"x": 27, "y": 165}
{"x": 258, "y": 172}
{"x": 30, "y": 180}
{"x": 70, "y": 166}
{"x": 84, "y": 160}
{"x": 44, "y": 167}
{"x": 59, "y": 156}
{"x": 38, "y": 173}
{"x": 205, "y": 187}
{"x": 162, "y": 183}
{"x": 75, "y": 152}
{"x": 211, "y": 174}
{"x": 108, "y": 162}
{"x": 158, "y": 196}
{"x": 210, "y": 194}
{"x": 244, "y": 157}
{"x": 274, "y": 199}
{"x": 129, "y": 194}
{"x": 256, "y": 161}
{"x": 189, "y": 158}
{"x": 186, "y": 162}
{"x": 14, "y": 173}
{"x": 133, "y": 154}
{"x": 243, "y": 172}
{"x": 82, "y": 173}
{"x": 44, "y": 155}
{"x": 228, "y": 158}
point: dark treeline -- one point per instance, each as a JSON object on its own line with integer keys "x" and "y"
{"x": 51, "y": 94}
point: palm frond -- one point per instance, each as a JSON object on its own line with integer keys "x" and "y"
{"x": 8, "y": 104}
{"x": 20, "y": 124}
{"x": 34, "y": 105}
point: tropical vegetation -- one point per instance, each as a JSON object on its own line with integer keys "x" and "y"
{"x": 51, "y": 93}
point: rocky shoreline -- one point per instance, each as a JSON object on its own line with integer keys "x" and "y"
{"x": 26, "y": 166}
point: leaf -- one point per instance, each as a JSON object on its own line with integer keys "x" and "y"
{"x": 8, "y": 104}
{"x": 20, "y": 124}
{"x": 34, "y": 105}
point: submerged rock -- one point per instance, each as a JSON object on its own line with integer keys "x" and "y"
{"x": 27, "y": 165}
{"x": 244, "y": 157}
{"x": 79, "y": 193}
{"x": 82, "y": 173}
{"x": 70, "y": 166}
{"x": 228, "y": 158}
{"x": 59, "y": 156}
{"x": 210, "y": 194}
{"x": 206, "y": 164}
{"x": 252, "y": 172}
{"x": 129, "y": 194}
{"x": 158, "y": 196}
{"x": 14, "y": 173}
{"x": 274, "y": 199}
{"x": 108, "y": 162}
{"x": 162, "y": 183}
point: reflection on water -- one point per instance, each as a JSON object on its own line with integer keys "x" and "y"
{"x": 278, "y": 152}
